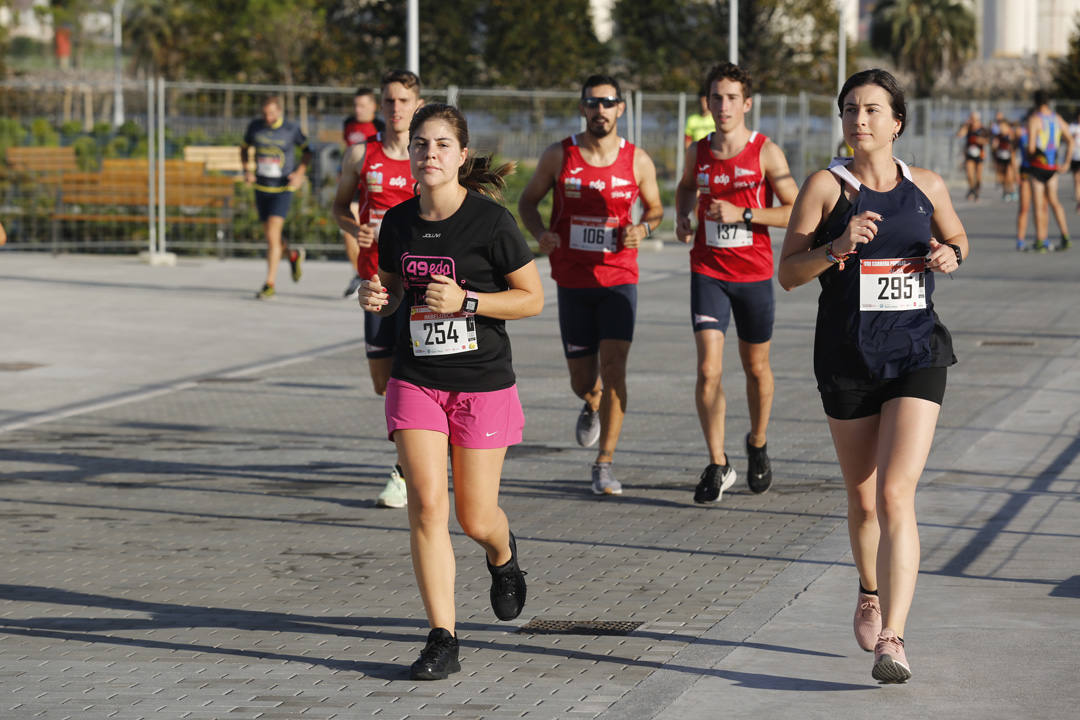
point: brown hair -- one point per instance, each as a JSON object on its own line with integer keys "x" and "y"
{"x": 479, "y": 172}
{"x": 729, "y": 71}
{"x": 408, "y": 79}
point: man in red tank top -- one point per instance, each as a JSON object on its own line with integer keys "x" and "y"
{"x": 731, "y": 177}
{"x": 378, "y": 172}
{"x": 596, "y": 176}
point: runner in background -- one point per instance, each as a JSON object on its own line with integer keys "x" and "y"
{"x": 700, "y": 123}
{"x": 1074, "y": 163}
{"x": 378, "y": 172}
{"x": 458, "y": 262}
{"x": 1001, "y": 145}
{"x": 363, "y": 123}
{"x": 595, "y": 176}
{"x": 359, "y": 127}
{"x": 729, "y": 182}
{"x": 1047, "y": 158}
{"x": 277, "y": 176}
{"x": 868, "y": 229}
{"x": 975, "y": 139}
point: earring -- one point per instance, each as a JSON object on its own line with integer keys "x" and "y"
{"x": 894, "y": 136}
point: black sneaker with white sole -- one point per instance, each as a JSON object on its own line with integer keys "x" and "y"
{"x": 759, "y": 469}
{"x": 438, "y": 659}
{"x": 715, "y": 479}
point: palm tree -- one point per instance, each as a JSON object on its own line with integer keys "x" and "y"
{"x": 924, "y": 37}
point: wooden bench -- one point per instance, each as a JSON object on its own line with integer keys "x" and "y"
{"x": 122, "y": 197}
{"x": 110, "y": 165}
{"x": 219, "y": 158}
{"x": 50, "y": 160}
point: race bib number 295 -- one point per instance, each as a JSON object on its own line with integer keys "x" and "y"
{"x": 892, "y": 284}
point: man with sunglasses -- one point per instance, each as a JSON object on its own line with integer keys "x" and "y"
{"x": 596, "y": 177}
{"x": 731, "y": 177}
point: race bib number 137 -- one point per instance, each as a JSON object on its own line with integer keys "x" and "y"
{"x": 892, "y": 284}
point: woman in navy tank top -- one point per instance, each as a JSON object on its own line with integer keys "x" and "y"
{"x": 874, "y": 232}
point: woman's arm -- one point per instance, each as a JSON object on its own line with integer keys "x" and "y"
{"x": 525, "y": 297}
{"x": 946, "y": 226}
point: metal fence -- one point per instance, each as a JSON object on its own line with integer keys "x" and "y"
{"x": 123, "y": 189}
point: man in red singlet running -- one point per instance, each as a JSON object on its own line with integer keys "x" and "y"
{"x": 731, "y": 177}
{"x": 596, "y": 176}
{"x": 378, "y": 171}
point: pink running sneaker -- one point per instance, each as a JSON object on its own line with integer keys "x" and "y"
{"x": 867, "y": 621}
{"x": 890, "y": 662}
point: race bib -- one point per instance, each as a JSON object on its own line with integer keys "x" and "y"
{"x": 594, "y": 234}
{"x": 892, "y": 284}
{"x": 1003, "y": 155}
{"x": 375, "y": 217}
{"x": 974, "y": 151}
{"x": 434, "y": 333}
{"x": 268, "y": 167}
{"x": 727, "y": 235}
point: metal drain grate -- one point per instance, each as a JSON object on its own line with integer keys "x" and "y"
{"x": 18, "y": 366}
{"x": 1007, "y": 343}
{"x": 539, "y": 626}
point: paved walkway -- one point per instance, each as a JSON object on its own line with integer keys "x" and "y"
{"x": 188, "y": 527}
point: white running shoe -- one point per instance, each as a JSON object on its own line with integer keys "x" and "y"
{"x": 394, "y": 495}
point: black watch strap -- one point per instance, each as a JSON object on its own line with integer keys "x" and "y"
{"x": 748, "y": 215}
{"x": 959, "y": 255}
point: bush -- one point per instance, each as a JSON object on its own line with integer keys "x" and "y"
{"x": 86, "y": 155}
{"x": 42, "y": 133}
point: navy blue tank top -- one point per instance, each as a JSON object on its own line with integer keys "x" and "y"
{"x": 876, "y": 318}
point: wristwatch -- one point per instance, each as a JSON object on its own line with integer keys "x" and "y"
{"x": 956, "y": 249}
{"x": 748, "y": 215}
{"x": 468, "y": 305}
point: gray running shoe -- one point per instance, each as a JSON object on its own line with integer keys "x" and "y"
{"x": 588, "y": 426}
{"x": 715, "y": 479}
{"x": 603, "y": 482}
{"x": 352, "y": 288}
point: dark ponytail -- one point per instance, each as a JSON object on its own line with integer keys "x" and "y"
{"x": 478, "y": 173}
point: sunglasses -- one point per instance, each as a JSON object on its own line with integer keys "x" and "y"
{"x": 594, "y": 102}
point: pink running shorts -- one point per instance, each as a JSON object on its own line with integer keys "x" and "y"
{"x": 476, "y": 420}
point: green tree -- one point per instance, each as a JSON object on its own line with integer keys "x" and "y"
{"x": 786, "y": 45}
{"x": 1066, "y": 69}
{"x": 924, "y": 37}
{"x": 540, "y": 44}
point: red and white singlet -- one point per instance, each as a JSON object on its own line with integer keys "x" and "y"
{"x": 591, "y": 213}
{"x": 384, "y": 182}
{"x": 732, "y": 252}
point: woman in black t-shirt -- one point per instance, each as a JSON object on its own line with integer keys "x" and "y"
{"x": 459, "y": 261}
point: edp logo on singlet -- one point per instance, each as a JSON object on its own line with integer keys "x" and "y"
{"x": 398, "y": 182}
{"x": 597, "y": 185}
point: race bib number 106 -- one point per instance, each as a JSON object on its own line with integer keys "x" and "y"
{"x": 594, "y": 234}
{"x": 434, "y": 333}
{"x": 892, "y": 284}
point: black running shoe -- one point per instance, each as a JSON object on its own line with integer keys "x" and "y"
{"x": 438, "y": 659}
{"x": 507, "y": 586}
{"x": 715, "y": 479}
{"x": 759, "y": 470}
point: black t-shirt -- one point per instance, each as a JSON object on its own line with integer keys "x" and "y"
{"x": 477, "y": 246}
